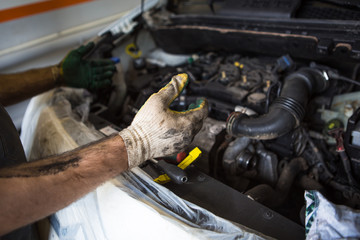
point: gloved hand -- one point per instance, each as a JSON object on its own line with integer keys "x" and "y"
{"x": 80, "y": 73}
{"x": 157, "y": 131}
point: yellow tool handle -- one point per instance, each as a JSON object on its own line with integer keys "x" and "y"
{"x": 193, "y": 155}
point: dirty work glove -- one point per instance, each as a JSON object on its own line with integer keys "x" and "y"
{"x": 157, "y": 131}
{"x": 80, "y": 73}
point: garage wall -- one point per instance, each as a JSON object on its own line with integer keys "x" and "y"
{"x": 40, "y": 22}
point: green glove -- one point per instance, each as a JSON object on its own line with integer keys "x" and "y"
{"x": 90, "y": 74}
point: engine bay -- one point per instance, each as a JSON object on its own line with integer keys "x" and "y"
{"x": 270, "y": 164}
{"x": 278, "y": 124}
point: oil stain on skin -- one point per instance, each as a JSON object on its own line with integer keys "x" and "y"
{"x": 43, "y": 170}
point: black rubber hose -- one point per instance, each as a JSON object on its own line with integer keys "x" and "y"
{"x": 307, "y": 183}
{"x": 286, "y": 112}
{"x": 288, "y": 176}
{"x": 275, "y": 197}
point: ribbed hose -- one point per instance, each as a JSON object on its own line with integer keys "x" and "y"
{"x": 285, "y": 113}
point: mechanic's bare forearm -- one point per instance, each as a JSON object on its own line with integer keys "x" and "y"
{"x": 20, "y": 86}
{"x": 34, "y": 190}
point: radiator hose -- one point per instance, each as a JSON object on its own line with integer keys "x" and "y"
{"x": 286, "y": 112}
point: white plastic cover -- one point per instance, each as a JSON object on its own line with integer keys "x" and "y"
{"x": 131, "y": 206}
{"x": 325, "y": 220}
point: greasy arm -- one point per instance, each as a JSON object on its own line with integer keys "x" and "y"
{"x": 32, "y": 191}
{"x": 20, "y": 86}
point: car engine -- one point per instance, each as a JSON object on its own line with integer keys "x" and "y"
{"x": 275, "y": 128}
{"x": 277, "y": 125}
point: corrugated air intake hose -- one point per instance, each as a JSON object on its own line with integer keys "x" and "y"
{"x": 286, "y": 112}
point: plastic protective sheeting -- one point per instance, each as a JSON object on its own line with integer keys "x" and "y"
{"x": 56, "y": 122}
{"x": 325, "y": 220}
{"x": 131, "y": 206}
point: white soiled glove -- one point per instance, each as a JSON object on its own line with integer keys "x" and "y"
{"x": 158, "y": 131}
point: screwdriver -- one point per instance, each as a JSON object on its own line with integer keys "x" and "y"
{"x": 193, "y": 155}
{"x": 172, "y": 171}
